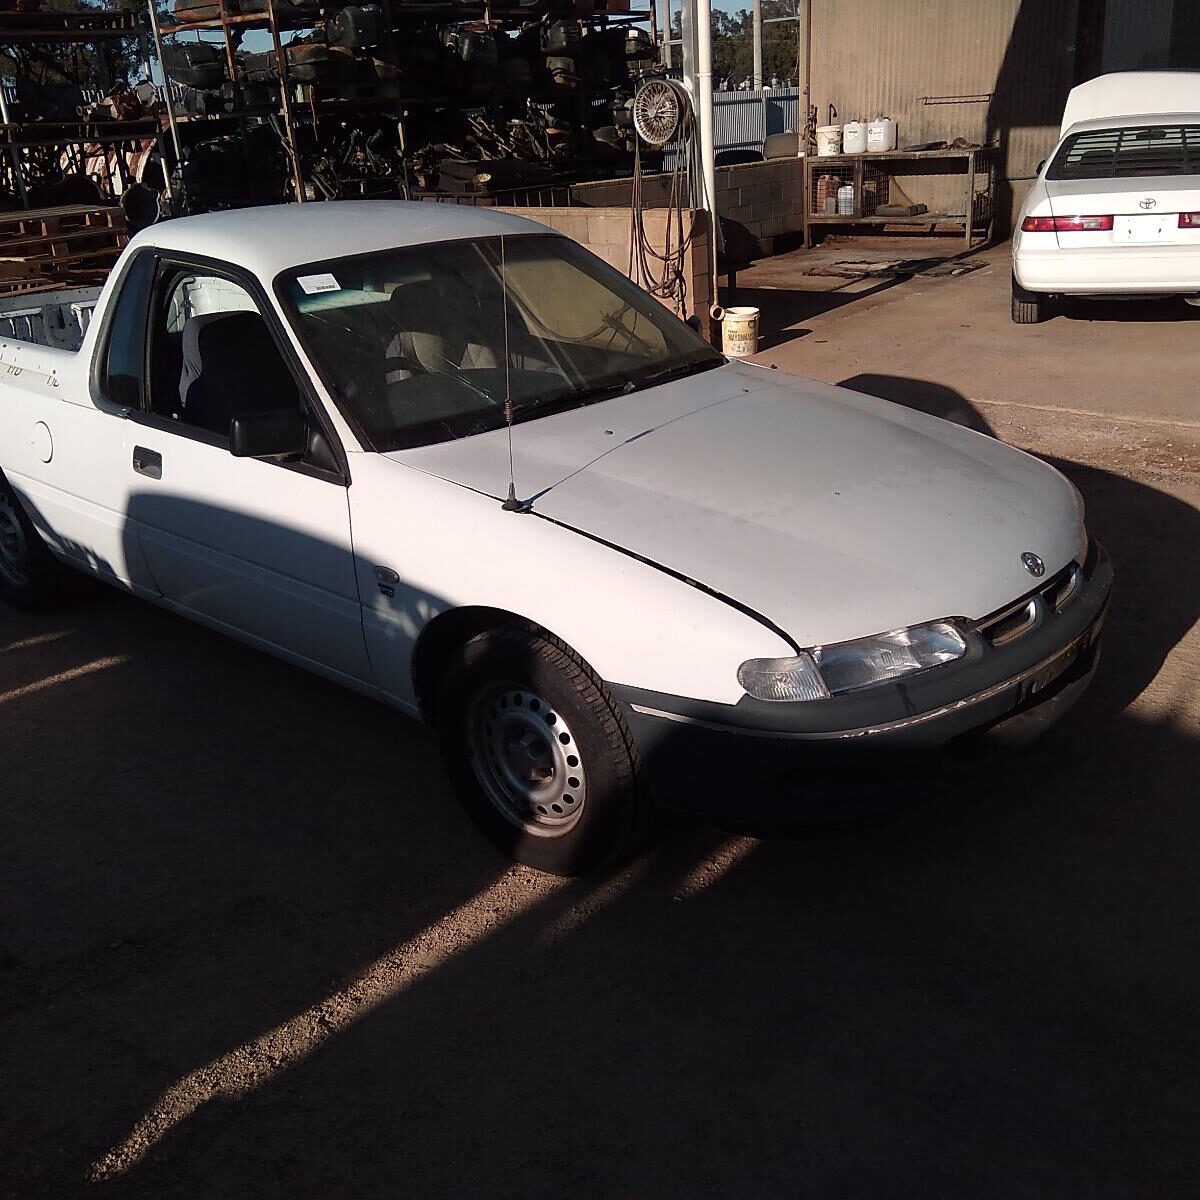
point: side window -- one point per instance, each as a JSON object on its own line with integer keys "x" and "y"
{"x": 212, "y": 355}
{"x": 120, "y": 375}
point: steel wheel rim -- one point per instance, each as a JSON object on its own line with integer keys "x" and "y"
{"x": 14, "y": 550}
{"x": 526, "y": 759}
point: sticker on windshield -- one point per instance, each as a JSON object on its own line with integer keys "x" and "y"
{"x": 312, "y": 284}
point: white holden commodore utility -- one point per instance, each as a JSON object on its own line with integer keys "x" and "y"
{"x": 452, "y": 460}
{"x": 1115, "y": 210}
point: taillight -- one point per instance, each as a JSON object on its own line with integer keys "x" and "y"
{"x": 1068, "y": 224}
{"x": 1189, "y": 220}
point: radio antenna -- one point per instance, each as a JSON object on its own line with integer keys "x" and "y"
{"x": 511, "y": 504}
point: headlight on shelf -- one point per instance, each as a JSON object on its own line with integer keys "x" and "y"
{"x": 826, "y": 671}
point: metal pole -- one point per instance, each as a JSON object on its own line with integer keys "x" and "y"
{"x": 166, "y": 87}
{"x": 668, "y": 52}
{"x": 18, "y": 170}
{"x": 704, "y": 106}
{"x": 756, "y": 78}
{"x": 806, "y": 90}
{"x": 281, "y": 67}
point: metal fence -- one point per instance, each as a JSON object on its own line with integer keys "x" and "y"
{"x": 743, "y": 120}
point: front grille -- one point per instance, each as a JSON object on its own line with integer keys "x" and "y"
{"x": 1017, "y": 619}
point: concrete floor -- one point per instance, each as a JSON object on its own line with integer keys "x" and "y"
{"x": 249, "y": 947}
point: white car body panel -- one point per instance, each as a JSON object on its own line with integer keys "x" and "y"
{"x": 676, "y": 531}
{"x": 454, "y": 548}
{"x": 1146, "y": 252}
{"x": 791, "y": 497}
{"x": 1121, "y": 94}
{"x": 253, "y": 546}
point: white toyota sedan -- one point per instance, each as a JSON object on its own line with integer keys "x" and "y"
{"x": 1115, "y": 210}
{"x": 454, "y": 461}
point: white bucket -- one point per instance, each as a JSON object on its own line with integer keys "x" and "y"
{"x": 829, "y": 140}
{"x": 854, "y": 137}
{"x": 739, "y": 332}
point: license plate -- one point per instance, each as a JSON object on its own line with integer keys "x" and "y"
{"x": 1045, "y": 675}
{"x": 1156, "y": 227}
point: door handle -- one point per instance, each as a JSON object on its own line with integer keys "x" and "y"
{"x": 147, "y": 462}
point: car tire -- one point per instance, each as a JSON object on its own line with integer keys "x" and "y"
{"x": 31, "y": 578}
{"x": 1028, "y": 308}
{"x": 539, "y": 754}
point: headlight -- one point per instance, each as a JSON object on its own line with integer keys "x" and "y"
{"x": 847, "y": 666}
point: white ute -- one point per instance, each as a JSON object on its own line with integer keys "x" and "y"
{"x": 452, "y": 460}
{"x": 1115, "y": 210}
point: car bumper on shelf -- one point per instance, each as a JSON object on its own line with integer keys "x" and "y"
{"x": 758, "y": 766}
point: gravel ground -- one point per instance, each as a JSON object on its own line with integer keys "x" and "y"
{"x": 250, "y": 948}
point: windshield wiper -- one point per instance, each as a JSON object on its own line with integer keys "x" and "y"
{"x": 676, "y": 371}
{"x": 576, "y": 398}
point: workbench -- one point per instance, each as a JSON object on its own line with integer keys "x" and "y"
{"x": 871, "y": 174}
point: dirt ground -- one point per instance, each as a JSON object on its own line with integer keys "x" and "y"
{"x": 250, "y": 947}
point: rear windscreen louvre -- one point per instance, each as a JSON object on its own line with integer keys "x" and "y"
{"x": 1122, "y": 153}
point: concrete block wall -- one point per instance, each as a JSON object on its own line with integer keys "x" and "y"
{"x": 605, "y": 231}
{"x": 757, "y": 202}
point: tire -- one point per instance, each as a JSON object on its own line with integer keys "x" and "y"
{"x": 539, "y": 754}
{"x": 1028, "y": 308}
{"x": 31, "y": 578}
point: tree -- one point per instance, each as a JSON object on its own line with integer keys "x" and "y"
{"x": 733, "y": 47}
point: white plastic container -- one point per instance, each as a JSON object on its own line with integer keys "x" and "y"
{"x": 845, "y": 200}
{"x": 829, "y": 140}
{"x": 854, "y": 137}
{"x": 881, "y": 135}
{"x": 739, "y": 332}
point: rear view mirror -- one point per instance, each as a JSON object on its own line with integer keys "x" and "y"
{"x": 282, "y": 434}
{"x": 1040, "y": 165}
{"x": 693, "y": 322}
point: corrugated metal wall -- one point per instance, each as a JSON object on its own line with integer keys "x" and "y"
{"x": 742, "y": 120}
{"x": 899, "y": 57}
{"x": 1137, "y": 34}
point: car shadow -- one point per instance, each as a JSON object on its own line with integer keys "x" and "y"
{"x": 1126, "y": 312}
{"x": 252, "y": 948}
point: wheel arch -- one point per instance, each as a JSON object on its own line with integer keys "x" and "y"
{"x": 447, "y": 632}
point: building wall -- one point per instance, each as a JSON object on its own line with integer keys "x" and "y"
{"x": 1011, "y": 63}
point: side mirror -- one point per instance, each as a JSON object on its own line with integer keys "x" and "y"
{"x": 1040, "y": 165}
{"x": 282, "y": 434}
{"x": 693, "y": 322}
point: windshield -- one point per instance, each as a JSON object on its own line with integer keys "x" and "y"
{"x": 426, "y": 343}
{"x": 1128, "y": 151}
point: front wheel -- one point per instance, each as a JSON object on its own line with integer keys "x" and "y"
{"x": 1028, "y": 308}
{"x": 31, "y": 578}
{"x": 539, "y": 754}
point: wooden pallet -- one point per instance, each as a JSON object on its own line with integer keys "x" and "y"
{"x": 48, "y": 247}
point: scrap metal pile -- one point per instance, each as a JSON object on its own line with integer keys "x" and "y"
{"x": 399, "y": 98}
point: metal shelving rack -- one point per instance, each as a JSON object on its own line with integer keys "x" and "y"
{"x": 71, "y": 136}
{"x": 314, "y": 105}
{"x": 869, "y": 175}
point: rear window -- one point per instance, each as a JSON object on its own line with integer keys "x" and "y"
{"x": 1127, "y": 152}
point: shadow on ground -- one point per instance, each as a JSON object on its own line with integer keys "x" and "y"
{"x": 993, "y": 996}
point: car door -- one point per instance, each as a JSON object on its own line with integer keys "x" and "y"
{"x": 257, "y": 547}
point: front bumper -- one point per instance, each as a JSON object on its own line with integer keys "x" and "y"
{"x": 759, "y": 765}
